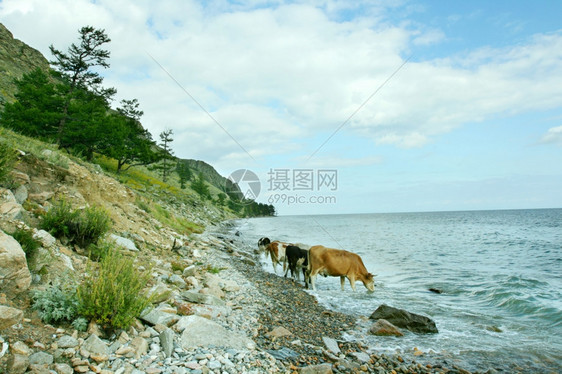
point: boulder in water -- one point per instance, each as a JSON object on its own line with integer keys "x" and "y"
{"x": 406, "y": 320}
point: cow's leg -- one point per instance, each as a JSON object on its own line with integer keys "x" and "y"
{"x": 312, "y": 280}
{"x": 352, "y": 282}
{"x": 274, "y": 261}
{"x": 342, "y": 281}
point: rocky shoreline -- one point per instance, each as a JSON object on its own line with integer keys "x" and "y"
{"x": 221, "y": 314}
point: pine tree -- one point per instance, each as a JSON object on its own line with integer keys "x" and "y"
{"x": 126, "y": 140}
{"x": 200, "y": 186}
{"x": 166, "y": 154}
{"x": 37, "y": 109}
{"x": 74, "y": 68}
{"x": 184, "y": 173}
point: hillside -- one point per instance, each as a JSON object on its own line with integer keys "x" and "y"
{"x": 16, "y": 59}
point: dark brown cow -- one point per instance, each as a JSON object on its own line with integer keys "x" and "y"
{"x": 338, "y": 263}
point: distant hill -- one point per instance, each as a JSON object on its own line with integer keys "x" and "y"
{"x": 210, "y": 174}
{"x": 16, "y": 59}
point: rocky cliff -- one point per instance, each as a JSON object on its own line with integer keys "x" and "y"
{"x": 16, "y": 59}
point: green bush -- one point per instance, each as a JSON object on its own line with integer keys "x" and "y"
{"x": 7, "y": 162}
{"x": 55, "y": 304}
{"x": 81, "y": 227}
{"x": 90, "y": 225}
{"x": 97, "y": 251}
{"x": 112, "y": 295}
{"x": 58, "y": 219}
{"x": 27, "y": 242}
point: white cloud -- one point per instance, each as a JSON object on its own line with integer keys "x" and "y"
{"x": 273, "y": 76}
{"x": 553, "y": 136}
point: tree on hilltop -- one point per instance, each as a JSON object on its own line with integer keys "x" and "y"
{"x": 74, "y": 68}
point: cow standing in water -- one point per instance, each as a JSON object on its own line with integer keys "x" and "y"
{"x": 276, "y": 250}
{"x": 338, "y": 263}
{"x": 297, "y": 259}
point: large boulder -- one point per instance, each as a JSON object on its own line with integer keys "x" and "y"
{"x": 15, "y": 277}
{"x": 200, "y": 331}
{"x": 9, "y": 206}
{"x": 9, "y": 316}
{"x": 406, "y": 320}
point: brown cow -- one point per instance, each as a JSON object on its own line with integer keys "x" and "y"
{"x": 338, "y": 263}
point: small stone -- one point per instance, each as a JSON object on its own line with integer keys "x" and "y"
{"x": 63, "y": 369}
{"x": 20, "y": 348}
{"x": 279, "y": 332}
{"x": 67, "y": 341}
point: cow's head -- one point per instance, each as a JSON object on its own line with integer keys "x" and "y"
{"x": 369, "y": 282}
{"x": 262, "y": 243}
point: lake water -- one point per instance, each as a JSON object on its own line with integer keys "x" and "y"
{"x": 500, "y": 273}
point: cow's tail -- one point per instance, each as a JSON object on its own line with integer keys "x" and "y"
{"x": 307, "y": 270}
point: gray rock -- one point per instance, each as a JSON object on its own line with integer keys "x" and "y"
{"x": 18, "y": 364}
{"x": 15, "y": 277}
{"x": 200, "y": 331}
{"x": 195, "y": 297}
{"x": 46, "y": 239}
{"x": 331, "y": 344}
{"x": 167, "y": 341}
{"x": 63, "y": 369}
{"x": 95, "y": 346}
{"x": 384, "y": 328}
{"x": 140, "y": 345}
{"x": 401, "y": 318}
{"x": 9, "y": 207}
{"x": 189, "y": 271}
{"x": 21, "y": 194}
{"x": 123, "y": 242}
{"x": 155, "y": 317}
{"x": 361, "y": 356}
{"x": 159, "y": 293}
{"x": 67, "y": 341}
{"x": 317, "y": 369}
{"x": 177, "y": 280}
{"x": 41, "y": 358}
{"x": 9, "y": 316}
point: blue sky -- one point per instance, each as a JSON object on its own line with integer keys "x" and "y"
{"x": 473, "y": 120}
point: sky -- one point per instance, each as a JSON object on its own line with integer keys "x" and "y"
{"x": 340, "y": 106}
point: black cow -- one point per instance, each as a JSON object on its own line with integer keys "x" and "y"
{"x": 297, "y": 258}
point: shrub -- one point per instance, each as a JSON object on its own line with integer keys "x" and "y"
{"x": 7, "y": 162}
{"x": 80, "y": 324}
{"x": 97, "y": 251}
{"x": 90, "y": 225}
{"x": 27, "y": 242}
{"x": 55, "y": 304}
{"x": 82, "y": 227}
{"x": 143, "y": 205}
{"x": 58, "y": 219}
{"x": 112, "y": 295}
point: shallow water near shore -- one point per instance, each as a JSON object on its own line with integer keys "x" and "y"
{"x": 500, "y": 273}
